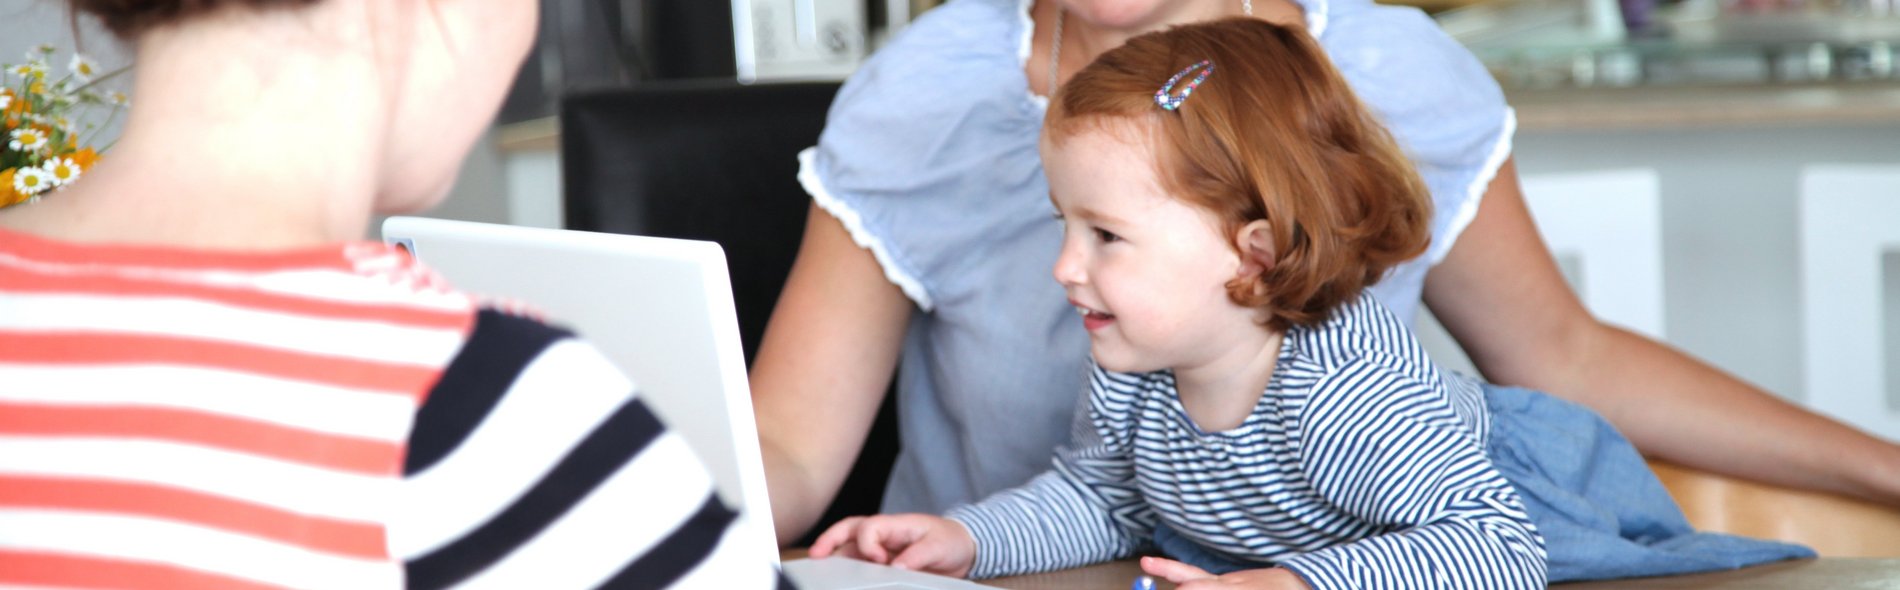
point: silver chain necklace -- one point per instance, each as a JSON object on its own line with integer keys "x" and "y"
{"x": 1055, "y": 44}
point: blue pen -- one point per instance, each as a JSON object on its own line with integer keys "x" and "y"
{"x": 1142, "y": 583}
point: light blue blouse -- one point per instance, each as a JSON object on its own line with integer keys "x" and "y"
{"x": 929, "y": 160}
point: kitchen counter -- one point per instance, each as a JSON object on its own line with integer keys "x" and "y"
{"x": 1653, "y": 107}
{"x": 1585, "y": 109}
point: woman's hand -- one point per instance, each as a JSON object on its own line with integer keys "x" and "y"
{"x": 1187, "y": 577}
{"x": 920, "y": 542}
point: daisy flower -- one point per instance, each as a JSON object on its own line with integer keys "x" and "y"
{"x": 6, "y": 100}
{"x": 63, "y": 170}
{"x": 119, "y": 98}
{"x": 32, "y": 181}
{"x": 27, "y": 138}
{"x": 35, "y": 69}
{"x": 83, "y": 68}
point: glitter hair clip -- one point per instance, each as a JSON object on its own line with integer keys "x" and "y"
{"x": 1170, "y": 101}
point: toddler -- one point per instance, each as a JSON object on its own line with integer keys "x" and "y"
{"x": 1252, "y": 411}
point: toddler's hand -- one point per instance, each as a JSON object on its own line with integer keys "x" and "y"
{"x": 1193, "y": 578}
{"x": 910, "y": 541}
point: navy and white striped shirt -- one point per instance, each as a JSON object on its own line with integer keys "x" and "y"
{"x": 1361, "y": 466}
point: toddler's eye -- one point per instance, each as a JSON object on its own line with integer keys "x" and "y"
{"x": 1106, "y": 236}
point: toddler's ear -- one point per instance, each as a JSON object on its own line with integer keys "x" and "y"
{"x": 1254, "y": 241}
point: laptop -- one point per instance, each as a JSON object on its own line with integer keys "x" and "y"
{"x": 661, "y": 309}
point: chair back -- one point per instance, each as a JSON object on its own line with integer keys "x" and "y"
{"x": 715, "y": 161}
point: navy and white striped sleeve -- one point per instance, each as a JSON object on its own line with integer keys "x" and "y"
{"x": 533, "y": 463}
{"x": 1085, "y": 510}
{"x": 1390, "y": 450}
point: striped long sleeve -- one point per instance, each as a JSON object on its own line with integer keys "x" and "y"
{"x": 534, "y": 464}
{"x": 1084, "y": 510}
{"x": 1392, "y": 452}
{"x": 1360, "y": 466}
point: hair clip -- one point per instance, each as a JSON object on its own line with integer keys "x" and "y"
{"x": 1169, "y": 101}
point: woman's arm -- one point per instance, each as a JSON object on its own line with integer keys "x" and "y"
{"x": 1501, "y": 296}
{"x": 822, "y": 370}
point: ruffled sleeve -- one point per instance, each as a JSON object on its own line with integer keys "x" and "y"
{"x": 930, "y": 148}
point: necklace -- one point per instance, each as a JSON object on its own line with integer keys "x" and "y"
{"x": 1055, "y": 52}
{"x": 1055, "y": 43}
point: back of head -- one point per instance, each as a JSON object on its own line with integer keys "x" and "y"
{"x": 253, "y": 85}
{"x": 1273, "y": 133}
{"x": 129, "y": 18}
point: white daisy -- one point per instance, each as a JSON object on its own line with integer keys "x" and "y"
{"x": 29, "y": 70}
{"x": 119, "y": 98}
{"x": 33, "y": 181}
{"x": 83, "y": 68}
{"x": 6, "y": 100}
{"x": 27, "y": 138}
{"x": 63, "y": 170}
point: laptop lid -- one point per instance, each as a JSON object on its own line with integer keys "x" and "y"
{"x": 661, "y": 309}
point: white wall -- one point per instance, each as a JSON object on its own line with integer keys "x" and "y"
{"x": 25, "y": 24}
{"x": 481, "y": 190}
{"x": 1730, "y": 231}
{"x": 497, "y": 185}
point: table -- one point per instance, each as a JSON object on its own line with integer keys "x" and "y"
{"x": 1831, "y": 573}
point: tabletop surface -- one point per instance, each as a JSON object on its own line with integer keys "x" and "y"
{"x": 1833, "y": 573}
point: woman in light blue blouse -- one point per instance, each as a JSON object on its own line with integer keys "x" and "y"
{"x": 930, "y": 240}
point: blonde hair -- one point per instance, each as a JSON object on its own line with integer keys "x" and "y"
{"x": 1274, "y": 133}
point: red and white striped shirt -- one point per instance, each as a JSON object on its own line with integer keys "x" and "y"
{"x": 189, "y": 419}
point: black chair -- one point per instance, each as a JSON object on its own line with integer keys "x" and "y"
{"x": 713, "y": 161}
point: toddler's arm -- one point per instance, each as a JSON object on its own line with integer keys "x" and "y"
{"x": 1085, "y": 510}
